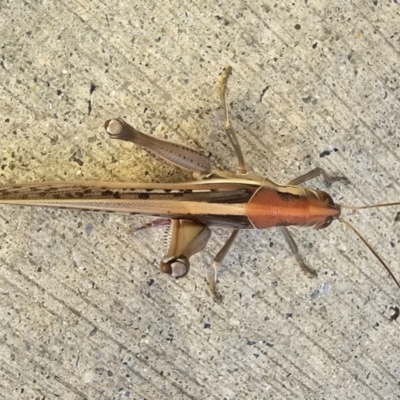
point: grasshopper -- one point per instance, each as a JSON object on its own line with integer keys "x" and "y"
{"x": 241, "y": 200}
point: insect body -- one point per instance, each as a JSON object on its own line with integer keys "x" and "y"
{"x": 241, "y": 200}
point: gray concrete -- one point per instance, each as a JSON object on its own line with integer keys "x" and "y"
{"x": 85, "y": 313}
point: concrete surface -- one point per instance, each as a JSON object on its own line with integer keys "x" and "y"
{"x": 85, "y": 313}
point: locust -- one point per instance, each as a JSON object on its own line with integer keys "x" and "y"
{"x": 236, "y": 201}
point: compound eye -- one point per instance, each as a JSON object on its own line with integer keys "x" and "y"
{"x": 323, "y": 196}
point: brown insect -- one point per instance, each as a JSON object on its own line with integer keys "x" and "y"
{"x": 241, "y": 200}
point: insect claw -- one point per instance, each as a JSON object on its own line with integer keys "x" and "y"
{"x": 309, "y": 271}
{"x": 332, "y": 179}
{"x": 212, "y": 290}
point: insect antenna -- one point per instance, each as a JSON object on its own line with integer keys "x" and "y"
{"x": 366, "y": 243}
{"x": 371, "y": 206}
